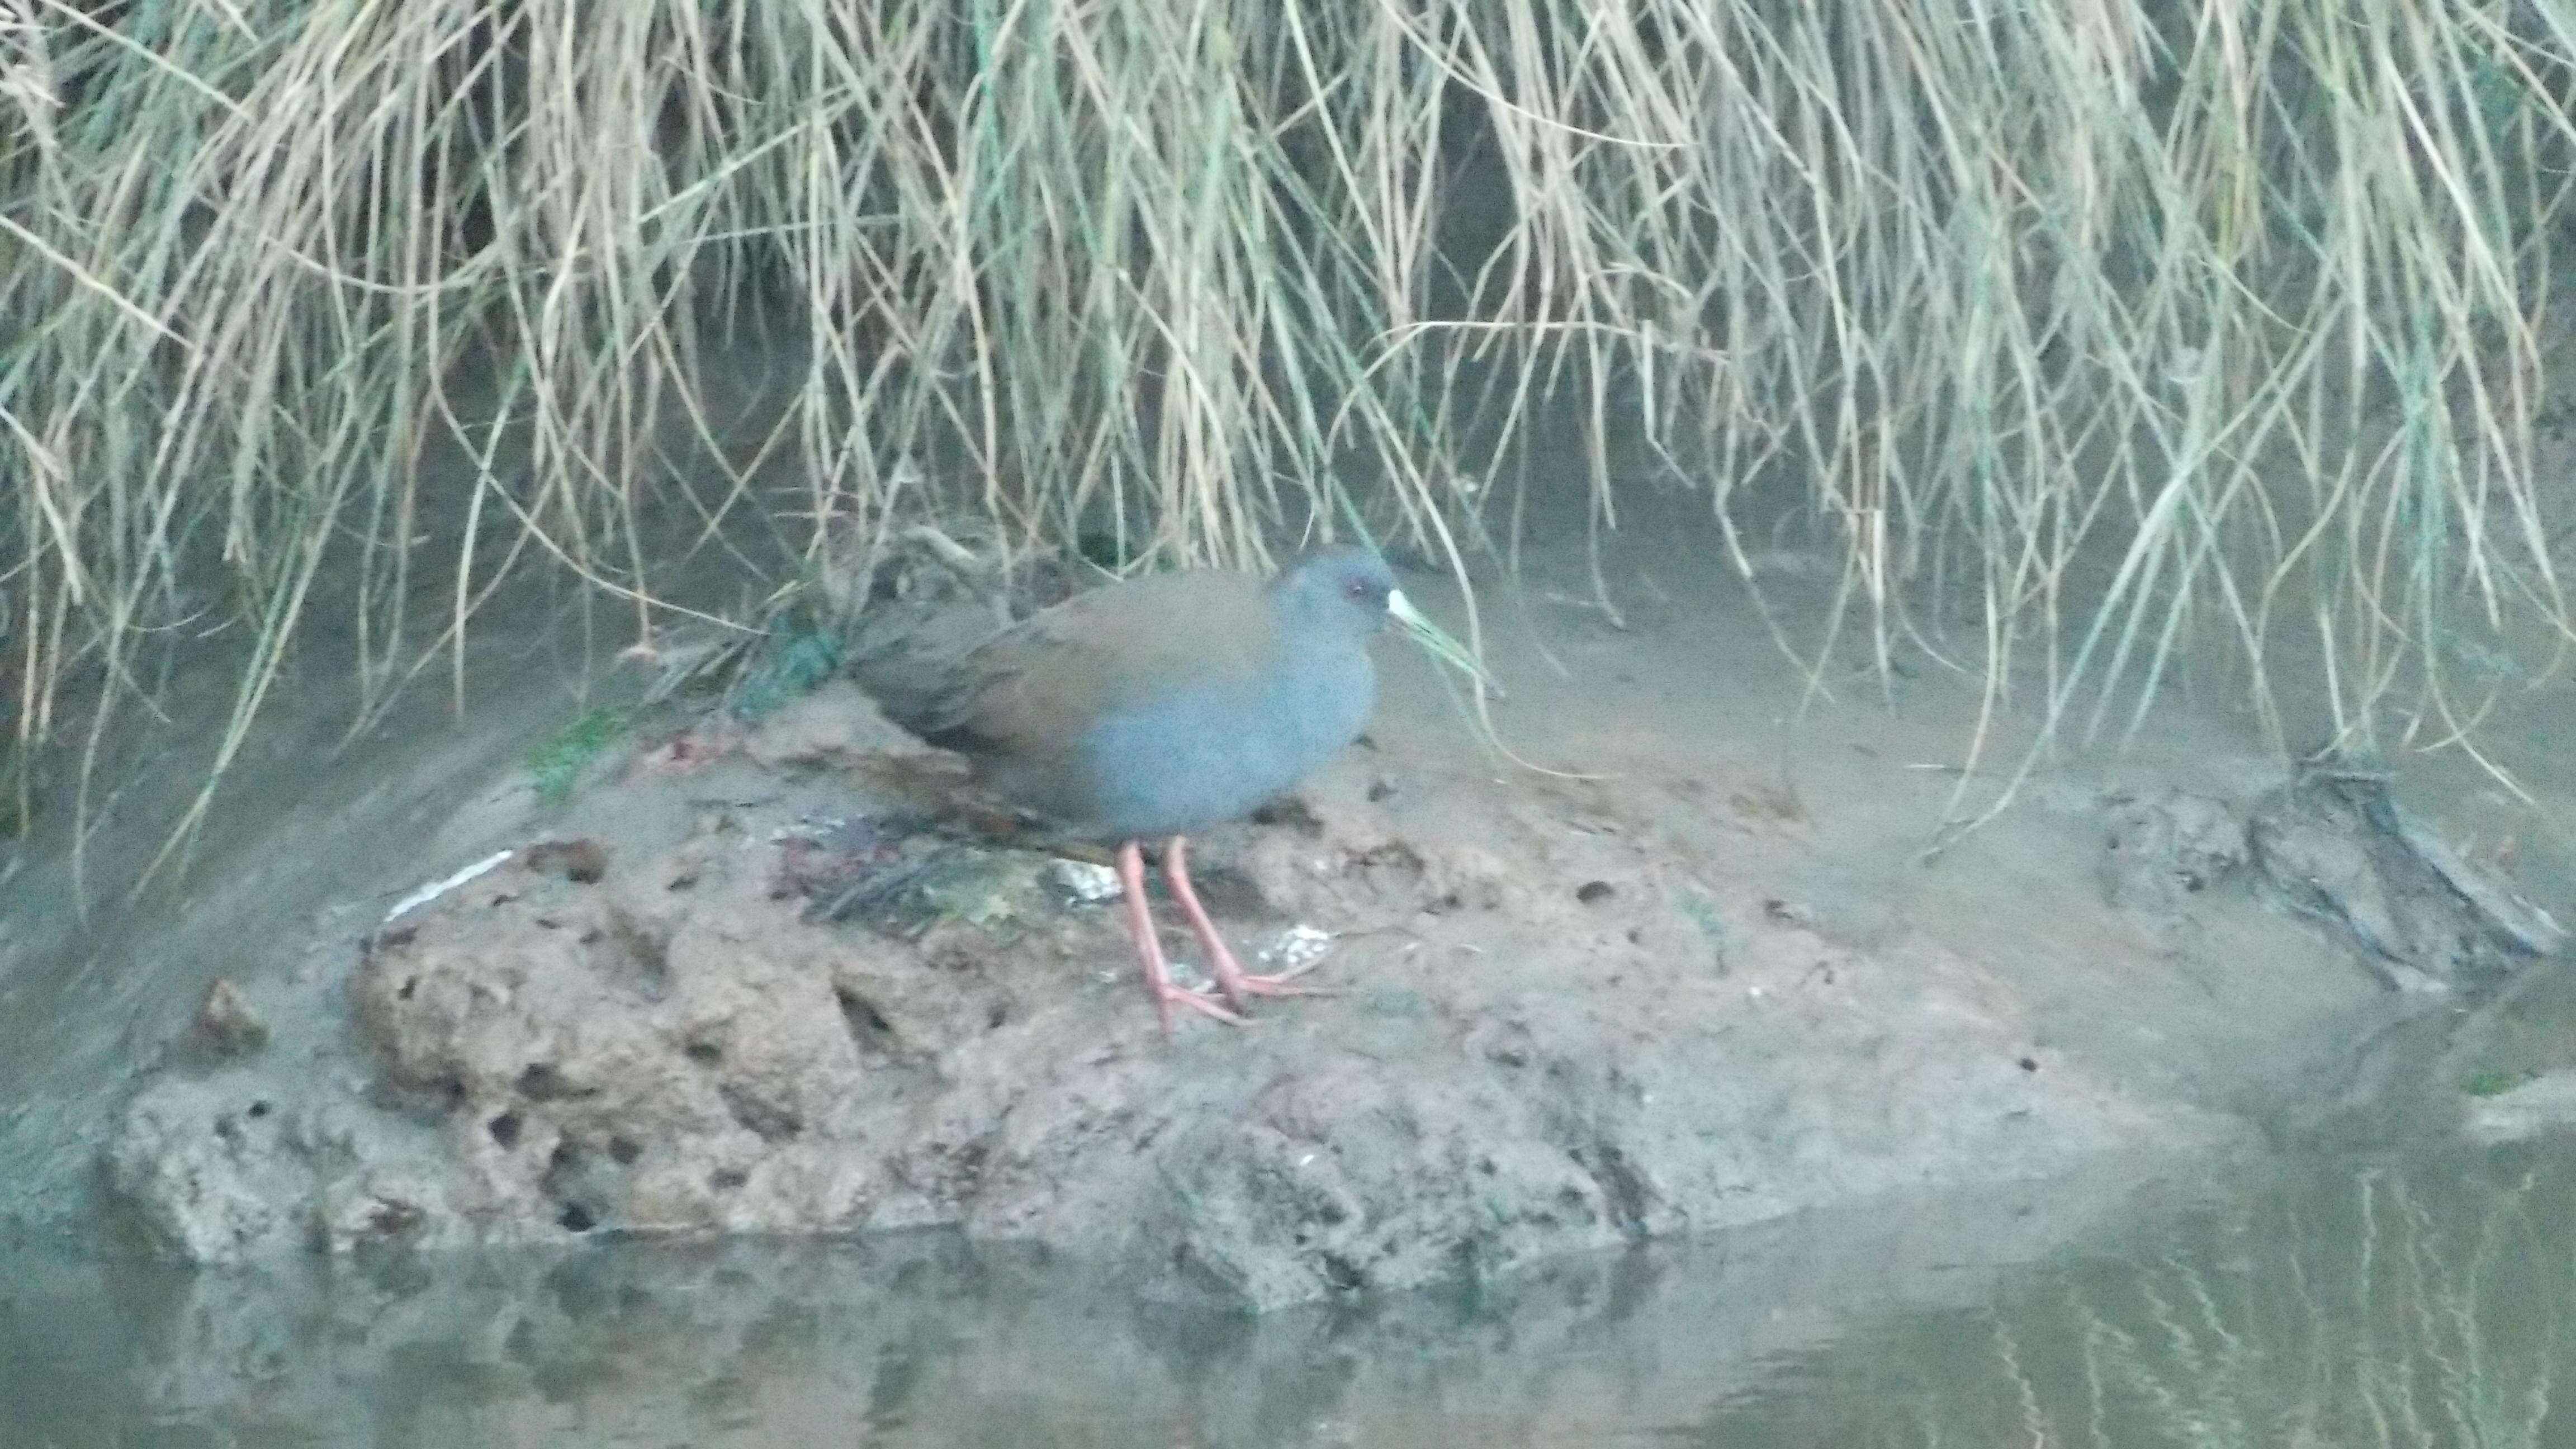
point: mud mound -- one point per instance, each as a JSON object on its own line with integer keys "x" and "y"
{"x": 1564, "y": 1022}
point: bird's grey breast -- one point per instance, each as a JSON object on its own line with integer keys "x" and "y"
{"x": 1219, "y": 748}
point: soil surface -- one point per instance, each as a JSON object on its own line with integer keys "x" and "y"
{"x": 1695, "y": 970}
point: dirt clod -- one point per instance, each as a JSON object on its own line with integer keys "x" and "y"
{"x": 583, "y": 862}
{"x": 225, "y": 1024}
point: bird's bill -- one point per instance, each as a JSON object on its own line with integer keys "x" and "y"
{"x": 1435, "y": 641}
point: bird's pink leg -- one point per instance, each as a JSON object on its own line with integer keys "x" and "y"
{"x": 1140, "y": 923}
{"x": 1230, "y": 975}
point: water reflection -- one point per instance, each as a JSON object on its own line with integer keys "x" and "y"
{"x": 2340, "y": 1304}
{"x": 2345, "y": 1304}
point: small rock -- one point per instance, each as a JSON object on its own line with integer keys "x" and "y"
{"x": 583, "y": 862}
{"x": 1594, "y": 892}
{"x": 2335, "y": 845}
{"x": 1297, "y": 948}
{"x": 2162, "y": 849}
{"x": 1083, "y": 882}
{"x": 200, "y": 1189}
{"x": 225, "y": 1024}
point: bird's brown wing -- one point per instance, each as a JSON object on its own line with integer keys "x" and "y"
{"x": 1033, "y": 689}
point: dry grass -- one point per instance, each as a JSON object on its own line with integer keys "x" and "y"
{"x": 2136, "y": 327}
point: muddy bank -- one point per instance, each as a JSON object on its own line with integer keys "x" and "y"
{"x": 754, "y": 981}
{"x": 1564, "y": 1023}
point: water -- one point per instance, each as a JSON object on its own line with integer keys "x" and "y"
{"x": 2345, "y": 1304}
{"x": 2417, "y": 1302}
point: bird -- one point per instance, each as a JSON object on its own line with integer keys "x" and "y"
{"x": 1154, "y": 707}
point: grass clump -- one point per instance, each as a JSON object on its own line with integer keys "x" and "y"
{"x": 559, "y": 763}
{"x": 2088, "y": 335}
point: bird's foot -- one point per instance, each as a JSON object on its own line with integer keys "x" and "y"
{"x": 1236, "y": 983}
{"x": 1166, "y": 996}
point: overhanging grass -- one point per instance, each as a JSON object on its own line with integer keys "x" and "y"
{"x": 2137, "y": 327}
